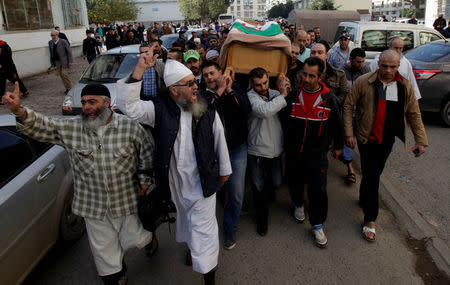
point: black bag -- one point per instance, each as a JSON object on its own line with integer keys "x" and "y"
{"x": 153, "y": 210}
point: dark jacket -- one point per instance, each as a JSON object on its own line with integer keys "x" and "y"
{"x": 336, "y": 80}
{"x": 90, "y": 46}
{"x": 295, "y": 75}
{"x": 167, "y": 122}
{"x": 233, "y": 109}
{"x": 63, "y": 50}
{"x": 6, "y": 61}
{"x": 64, "y": 37}
{"x": 112, "y": 41}
{"x": 308, "y": 137}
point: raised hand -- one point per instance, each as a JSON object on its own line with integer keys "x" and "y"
{"x": 12, "y": 100}
{"x": 146, "y": 60}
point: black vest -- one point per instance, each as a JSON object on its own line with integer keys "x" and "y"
{"x": 167, "y": 122}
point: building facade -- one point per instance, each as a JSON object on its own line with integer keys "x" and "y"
{"x": 427, "y": 10}
{"x": 158, "y": 11}
{"x": 248, "y": 9}
{"x": 343, "y": 5}
{"x": 26, "y": 25}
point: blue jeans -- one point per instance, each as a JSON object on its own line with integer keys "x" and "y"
{"x": 235, "y": 188}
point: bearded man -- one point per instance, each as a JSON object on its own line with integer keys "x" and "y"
{"x": 110, "y": 157}
{"x": 191, "y": 157}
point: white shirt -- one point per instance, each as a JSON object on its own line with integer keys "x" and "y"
{"x": 405, "y": 70}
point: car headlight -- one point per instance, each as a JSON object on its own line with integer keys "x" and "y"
{"x": 68, "y": 101}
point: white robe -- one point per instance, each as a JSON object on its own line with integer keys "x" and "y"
{"x": 196, "y": 215}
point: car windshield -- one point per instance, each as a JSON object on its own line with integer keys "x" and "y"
{"x": 110, "y": 67}
{"x": 429, "y": 52}
{"x": 167, "y": 41}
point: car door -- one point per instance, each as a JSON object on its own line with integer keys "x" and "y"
{"x": 30, "y": 177}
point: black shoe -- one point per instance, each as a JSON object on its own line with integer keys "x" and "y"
{"x": 67, "y": 91}
{"x": 261, "y": 228}
{"x": 152, "y": 247}
{"x": 188, "y": 260}
{"x": 210, "y": 277}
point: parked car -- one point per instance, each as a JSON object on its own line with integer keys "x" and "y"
{"x": 431, "y": 66}
{"x": 168, "y": 40}
{"x": 36, "y": 190}
{"x": 106, "y": 69}
{"x": 374, "y": 37}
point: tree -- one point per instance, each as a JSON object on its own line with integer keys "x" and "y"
{"x": 281, "y": 10}
{"x": 110, "y": 11}
{"x": 323, "y": 5}
{"x": 415, "y": 5}
{"x": 407, "y": 12}
{"x": 203, "y": 9}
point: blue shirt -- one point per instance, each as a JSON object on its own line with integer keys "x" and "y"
{"x": 150, "y": 89}
{"x": 304, "y": 55}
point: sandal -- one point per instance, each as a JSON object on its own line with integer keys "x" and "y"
{"x": 366, "y": 230}
{"x": 350, "y": 178}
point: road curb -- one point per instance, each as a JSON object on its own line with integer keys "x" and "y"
{"x": 414, "y": 223}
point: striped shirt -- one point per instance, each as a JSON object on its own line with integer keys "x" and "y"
{"x": 106, "y": 168}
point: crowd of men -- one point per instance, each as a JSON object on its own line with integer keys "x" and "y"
{"x": 208, "y": 126}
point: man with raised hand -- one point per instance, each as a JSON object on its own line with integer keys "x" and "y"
{"x": 191, "y": 157}
{"x": 110, "y": 157}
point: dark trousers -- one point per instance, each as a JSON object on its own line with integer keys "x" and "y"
{"x": 90, "y": 57}
{"x": 373, "y": 159}
{"x": 265, "y": 174}
{"x": 12, "y": 77}
{"x": 316, "y": 180}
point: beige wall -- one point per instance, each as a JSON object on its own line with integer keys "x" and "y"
{"x": 352, "y": 5}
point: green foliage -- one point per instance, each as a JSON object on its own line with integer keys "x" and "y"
{"x": 110, "y": 11}
{"x": 323, "y": 5}
{"x": 407, "y": 12}
{"x": 203, "y": 9}
{"x": 281, "y": 10}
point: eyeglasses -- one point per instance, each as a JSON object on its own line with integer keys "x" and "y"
{"x": 189, "y": 84}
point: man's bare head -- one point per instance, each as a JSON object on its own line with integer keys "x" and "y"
{"x": 301, "y": 38}
{"x": 396, "y": 44}
{"x": 388, "y": 64}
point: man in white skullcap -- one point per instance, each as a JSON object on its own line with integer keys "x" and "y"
{"x": 213, "y": 55}
{"x": 191, "y": 158}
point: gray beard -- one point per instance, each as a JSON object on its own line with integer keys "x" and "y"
{"x": 197, "y": 109}
{"x": 94, "y": 124}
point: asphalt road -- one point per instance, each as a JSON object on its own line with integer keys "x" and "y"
{"x": 287, "y": 254}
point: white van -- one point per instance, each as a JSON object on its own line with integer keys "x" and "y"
{"x": 374, "y": 37}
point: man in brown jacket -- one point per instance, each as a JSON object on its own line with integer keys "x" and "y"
{"x": 384, "y": 101}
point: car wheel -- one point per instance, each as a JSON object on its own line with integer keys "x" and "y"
{"x": 445, "y": 113}
{"x": 71, "y": 226}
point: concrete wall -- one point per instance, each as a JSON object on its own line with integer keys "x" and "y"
{"x": 30, "y": 47}
{"x": 158, "y": 11}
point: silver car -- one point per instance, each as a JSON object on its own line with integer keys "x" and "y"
{"x": 36, "y": 190}
{"x": 106, "y": 69}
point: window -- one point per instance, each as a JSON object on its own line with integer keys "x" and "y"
{"x": 155, "y": 9}
{"x": 374, "y": 40}
{"x": 27, "y": 14}
{"x": 16, "y": 152}
{"x": 427, "y": 37}
{"x": 111, "y": 67}
{"x": 340, "y": 29}
{"x": 72, "y": 13}
{"x": 406, "y": 36}
{"x": 429, "y": 53}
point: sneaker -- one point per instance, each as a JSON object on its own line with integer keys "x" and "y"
{"x": 319, "y": 236}
{"x": 152, "y": 247}
{"x": 299, "y": 214}
{"x": 229, "y": 244}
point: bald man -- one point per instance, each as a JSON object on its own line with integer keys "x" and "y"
{"x": 384, "y": 102}
{"x": 301, "y": 39}
{"x": 405, "y": 68}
